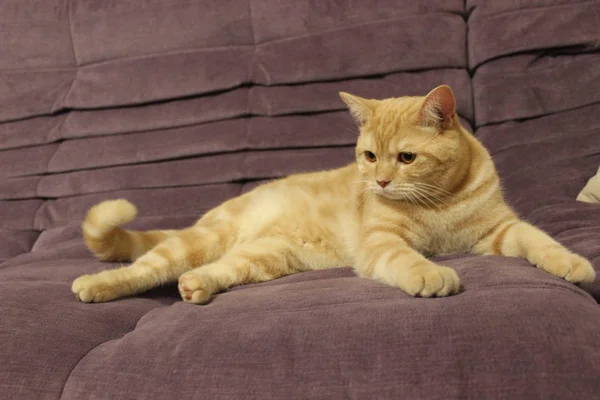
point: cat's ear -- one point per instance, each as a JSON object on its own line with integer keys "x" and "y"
{"x": 439, "y": 108}
{"x": 361, "y": 109}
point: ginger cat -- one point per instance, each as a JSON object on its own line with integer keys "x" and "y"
{"x": 421, "y": 185}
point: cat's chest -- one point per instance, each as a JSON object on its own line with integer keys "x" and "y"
{"x": 444, "y": 233}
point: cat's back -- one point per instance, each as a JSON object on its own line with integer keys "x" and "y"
{"x": 304, "y": 207}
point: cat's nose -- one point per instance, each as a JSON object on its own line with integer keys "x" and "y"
{"x": 383, "y": 183}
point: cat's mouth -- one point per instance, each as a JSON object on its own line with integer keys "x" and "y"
{"x": 392, "y": 194}
{"x": 415, "y": 193}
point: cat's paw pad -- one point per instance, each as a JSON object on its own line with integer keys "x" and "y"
{"x": 93, "y": 289}
{"x": 430, "y": 280}
{"x": 570, "y": 266}
{"x": 196, "y": 288}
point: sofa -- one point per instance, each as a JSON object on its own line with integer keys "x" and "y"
{"x": 178, "y": 105}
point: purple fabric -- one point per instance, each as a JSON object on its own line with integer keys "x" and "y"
{"x": 179, "y": 105}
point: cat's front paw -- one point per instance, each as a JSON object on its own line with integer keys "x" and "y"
{"x": 564, "y": 264}
{"x": 93, "y": 289}
{"x": 428, "y": 280}
{"x": 196, "y": 287}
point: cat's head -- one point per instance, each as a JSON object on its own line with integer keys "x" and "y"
{"x": 409, "y": 147}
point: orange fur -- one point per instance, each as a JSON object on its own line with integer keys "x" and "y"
{"x": 448, "y": 199}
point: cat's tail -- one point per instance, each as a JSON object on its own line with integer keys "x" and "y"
{"x": 108, "y": 241}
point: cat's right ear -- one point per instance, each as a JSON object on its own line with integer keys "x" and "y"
{"x": 361, "y": 109}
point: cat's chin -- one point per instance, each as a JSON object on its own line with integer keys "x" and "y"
{"x": 392, "y": 196}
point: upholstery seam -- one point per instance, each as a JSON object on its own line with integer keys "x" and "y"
{"x": 540, "y": 116}
{"x": 470, "y": 73}
{"x": 525, "y": 73}
{"x": 184, "y": 50}
{"x": 37, "y": 187}
{"x": 532, "y": 8}
{"x": 97, "y": 346}
{"x": 62, "y": 391}
{"x": 35, "y": 70}
{"x": 70, "y": 22}
{"x": 485, "y": 19}
{"x": 245, "y": 145}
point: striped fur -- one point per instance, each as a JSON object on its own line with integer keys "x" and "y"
{"x": 447, "y": 200}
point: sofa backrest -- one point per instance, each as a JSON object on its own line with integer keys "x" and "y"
{"x": 180, "y": 105}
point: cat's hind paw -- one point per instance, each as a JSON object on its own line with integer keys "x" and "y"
{"x": 195, "y": 287}
{"x": 93, "y": 289}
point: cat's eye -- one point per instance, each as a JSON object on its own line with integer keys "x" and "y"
{"x": 370, "y": 156}
{"x": 407, "y": 158}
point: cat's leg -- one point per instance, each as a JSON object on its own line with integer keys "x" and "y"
{"x": 164, "y": 263}
{"x": 516, "y": 238}
{"x": 386, "y": 257}
{"x": 260, "y": 260}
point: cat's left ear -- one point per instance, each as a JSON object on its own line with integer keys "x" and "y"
{"x": 361, "y": 109}
{"x": 439, "y": 108}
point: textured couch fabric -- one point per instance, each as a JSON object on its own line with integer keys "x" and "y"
{"x": 178, "y": 105}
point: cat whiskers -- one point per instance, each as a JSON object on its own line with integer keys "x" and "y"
{"x": 352, "y": 128}
{"x": 406, "y": 191}
{"x": 425, "y": 195}
{"x": 435, "y": 192}
{"x": 368, "y": 195}
{"x": 414, "y": 199}
{"x": 432, "y": 195}
{"x": 363, "y": 197}
{"x": 434, "y": 187}
{"x": 410, "y": 198}
{"x": 416, "y": 193}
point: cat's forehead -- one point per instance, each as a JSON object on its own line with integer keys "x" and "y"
{"x": 394, "y": 125}
{"x": 400, "y": 138}
{"x": 392, "y": 114}
{"x": 403, "y": 139}
{"x": 399, "y": 108}
{"x": 394, "y": 135}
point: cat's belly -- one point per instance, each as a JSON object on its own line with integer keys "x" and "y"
{"x": 310, "y": 225}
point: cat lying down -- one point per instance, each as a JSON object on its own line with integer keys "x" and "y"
{"x": 421, "y": 185}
